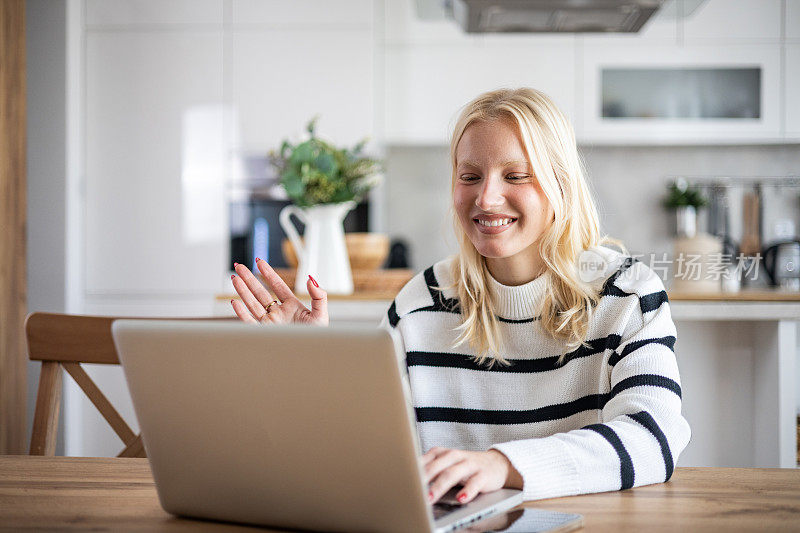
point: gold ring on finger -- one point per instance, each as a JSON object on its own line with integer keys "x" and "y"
{"x": 273, "y": 302}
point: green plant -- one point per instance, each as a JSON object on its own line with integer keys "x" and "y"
{"x": 679, "y": 194}
{"x": 315, "y": 172}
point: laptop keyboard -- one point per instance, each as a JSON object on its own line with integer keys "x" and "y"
{"x": 441, "y": 509}
{"x": 447, "y": 503}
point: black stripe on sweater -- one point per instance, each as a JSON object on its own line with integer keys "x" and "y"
{"x": 440, "y": 303}
{"x": 668, "y": 341}
{"x": 518, "y": 366}
{"x": 392, "y": 314}
{"x": 626, "y": 472}
{"x": 608, "y": 287}
{"x": 645, "y": 419}
{"x": 518, "y": 320}
{"x": 647, "y": 303}
{"x": 540, "y": 414}
{"x": 504, "y": 417}
{"x": 645, "y": 379}
{"x": 652, "y": 301}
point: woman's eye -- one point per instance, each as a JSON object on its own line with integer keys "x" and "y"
{"x": 469, "y": 178}
{"x": 517, "y": 177}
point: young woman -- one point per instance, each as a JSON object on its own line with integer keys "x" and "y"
{"x": 537, "y": 358}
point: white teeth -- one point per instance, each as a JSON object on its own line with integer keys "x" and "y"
{"x": 500, "y": 222}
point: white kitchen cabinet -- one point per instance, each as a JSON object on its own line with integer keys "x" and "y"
{"x": 341, "y": 14}
{"x": 155, "y": 152}
{"x": 742, "y": 22}
{"x": 792, "y": 22}
{"x": 153, "y": 12}
{"x": 427, "y": 84}
{"x": 792, "y": 91}
{"x": 281, "y": 79}
{"x": 765, "y": 128}
{"x": 403, "y": 25}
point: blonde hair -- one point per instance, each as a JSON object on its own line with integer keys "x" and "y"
{"x": 549, "y": 142}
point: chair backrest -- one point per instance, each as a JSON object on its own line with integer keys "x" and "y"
{"x": 65, "y": 341}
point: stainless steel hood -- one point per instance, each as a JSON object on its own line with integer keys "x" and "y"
{"x": 553, "y": 16}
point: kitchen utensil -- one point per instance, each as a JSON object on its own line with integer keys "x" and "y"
{"x": 782, "y": 264}
{"x": 751, "y": 236}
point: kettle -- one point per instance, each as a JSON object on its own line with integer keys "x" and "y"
{"x": 782, "y": 264}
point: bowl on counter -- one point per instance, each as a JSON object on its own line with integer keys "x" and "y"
{"x": 367, "y": 251}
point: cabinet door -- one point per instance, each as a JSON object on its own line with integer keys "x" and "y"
{"x": 766, "y": 59}
{"x": 792, "y": 22}
{"x": 404, "y": 24}
{"x": 155, "y": 149}
{"x": 792, "y": 91}
{"x": 303, "y": 13}
{"x": 426, "y": 84}
{"x": 152, "y": 12}
{"x": 282, "y": 78}
{"x": 742, "y": 22}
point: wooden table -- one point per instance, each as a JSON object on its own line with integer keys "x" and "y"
{"x": 119, "y": 494}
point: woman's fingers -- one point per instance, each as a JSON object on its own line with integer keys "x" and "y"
{"x": 252, "y": 303}
{"x": 432, "y": 454}
{"x": 439, "y": 460}
{"x": 242, "y": 312}
{"x": 274, "y": 281}
{"x": 472, "y": 488}
{"x": 319, "y": 301}
{"x": 450, "y": 477}
{"x": 256, "y": 288}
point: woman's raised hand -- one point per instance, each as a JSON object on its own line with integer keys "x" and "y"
{"x": 259, "y": 305}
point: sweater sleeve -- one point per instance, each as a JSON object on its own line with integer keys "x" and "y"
{"x": 642, "y": 431}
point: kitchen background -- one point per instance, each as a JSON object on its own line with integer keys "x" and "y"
{"x": 147, "y": 119}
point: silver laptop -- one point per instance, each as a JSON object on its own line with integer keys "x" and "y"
{"x": 285, "y": 426}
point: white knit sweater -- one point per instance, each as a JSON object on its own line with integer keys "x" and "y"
{"x": 609, "y": 418}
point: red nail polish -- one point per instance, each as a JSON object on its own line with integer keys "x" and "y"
{"x": 233, "y": 276}
{"x": 430, "y": 495}
{"x": 258, "y": 259}
{"x": 231, "y": 302}
{"x": 236, "y": 264}
{"x": 461, "y": 497}
{"x": 313, "y": 281}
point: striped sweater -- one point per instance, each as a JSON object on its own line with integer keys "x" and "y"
{"x": 608, "y": 418}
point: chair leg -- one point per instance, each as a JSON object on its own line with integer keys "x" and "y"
{"x": 134, "y": 449}
{"x": 48, "y": 403}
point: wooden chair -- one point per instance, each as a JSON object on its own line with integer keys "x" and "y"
{"x": 65, "y": 341}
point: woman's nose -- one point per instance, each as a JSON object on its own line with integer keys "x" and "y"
{"x": 490, "y": 195}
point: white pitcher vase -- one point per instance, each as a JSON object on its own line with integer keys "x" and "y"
{"x": 324, "y": 253}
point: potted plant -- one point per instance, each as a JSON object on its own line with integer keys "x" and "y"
{"x": 685, "y": 200}
{"x": 324, "y": 183}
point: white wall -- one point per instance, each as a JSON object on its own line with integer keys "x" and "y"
{"x": 45, "y": 27}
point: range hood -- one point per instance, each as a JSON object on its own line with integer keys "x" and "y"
{"x": 552, "y": 16}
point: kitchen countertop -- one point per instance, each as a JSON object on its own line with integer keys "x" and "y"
{"x": 684, "y": 306}
{"x": 745, "y": 295}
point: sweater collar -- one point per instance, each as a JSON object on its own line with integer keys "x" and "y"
{"x": 520, "y": 301}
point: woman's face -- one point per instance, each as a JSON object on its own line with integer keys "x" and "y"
{"x": 497, "y": 198}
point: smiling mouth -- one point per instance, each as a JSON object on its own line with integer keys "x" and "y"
{"x": 495, "y": 223}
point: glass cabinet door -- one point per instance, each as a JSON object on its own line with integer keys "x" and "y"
{"x": 681, "y": 94}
